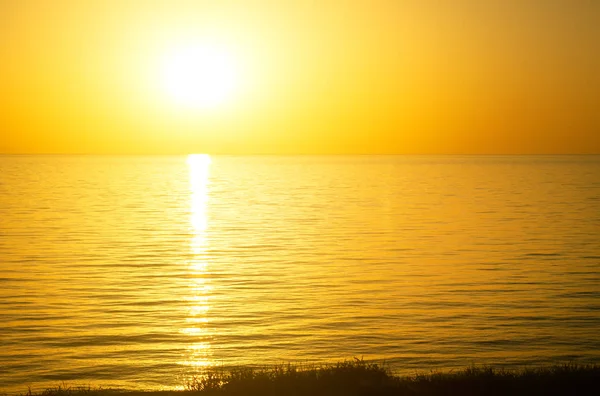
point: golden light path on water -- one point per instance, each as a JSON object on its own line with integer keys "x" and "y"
{"x": 199, "y": 352}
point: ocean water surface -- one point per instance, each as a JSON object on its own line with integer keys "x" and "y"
{"x": 140, "y": 272}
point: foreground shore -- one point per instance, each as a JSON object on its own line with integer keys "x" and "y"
{"x": 363, "y": 378}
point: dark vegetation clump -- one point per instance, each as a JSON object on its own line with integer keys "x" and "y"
{"x": 361, "y": 378}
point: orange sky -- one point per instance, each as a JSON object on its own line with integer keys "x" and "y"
{"x": 506, "y": 76}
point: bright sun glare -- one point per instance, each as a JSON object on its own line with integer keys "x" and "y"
{"x": 199, "y": 76}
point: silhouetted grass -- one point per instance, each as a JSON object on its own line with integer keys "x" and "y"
{"x": 358, "y": 378}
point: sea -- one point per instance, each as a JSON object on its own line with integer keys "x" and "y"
{"x": 141, "y": 272}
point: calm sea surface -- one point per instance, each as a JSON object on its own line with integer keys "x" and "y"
{"x": 140, "y": 272}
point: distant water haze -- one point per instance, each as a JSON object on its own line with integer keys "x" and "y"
{"x": 140, "y": 272}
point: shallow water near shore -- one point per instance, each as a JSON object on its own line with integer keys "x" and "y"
{"x": 140, "y": 272}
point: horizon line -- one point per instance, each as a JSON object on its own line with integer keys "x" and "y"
{"x": 303, "y": 154}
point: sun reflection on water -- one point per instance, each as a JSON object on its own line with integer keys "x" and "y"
{"x": 199, "y": 352}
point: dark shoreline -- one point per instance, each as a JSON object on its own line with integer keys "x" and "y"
{"x": 358, "y": 378}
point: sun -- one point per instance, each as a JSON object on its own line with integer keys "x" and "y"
{"x": 200, "y": 76}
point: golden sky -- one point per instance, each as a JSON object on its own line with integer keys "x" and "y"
{"x": 418, "y": 77}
